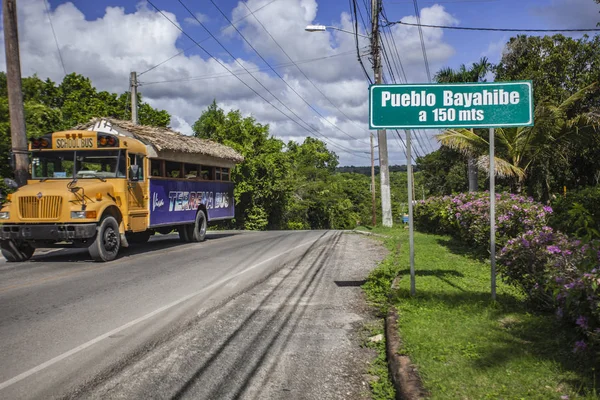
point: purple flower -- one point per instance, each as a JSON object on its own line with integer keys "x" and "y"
{"x": 525, "y": 243}
{"x": 582, "y": 322}
{"x": 553, "y": 249}
{"x": 579, "y": 346}
{"x": 548, "y": 209}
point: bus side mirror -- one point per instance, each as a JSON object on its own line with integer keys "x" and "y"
{"x": 133, "y": 172}
{"x": 11, "y": 183}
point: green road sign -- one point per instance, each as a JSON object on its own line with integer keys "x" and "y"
{"x": 451, "y": 105}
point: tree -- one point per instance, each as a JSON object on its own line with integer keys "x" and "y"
{"x": 444, "y": 171}
{"x": 262, "y": 181}
{"x": 476, "y": 73}
{"x": 558, "y": 66}
{"x": 50, "y": 108}
{"x": 519, "y": 148}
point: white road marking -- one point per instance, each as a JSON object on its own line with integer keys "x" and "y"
{"x": 92, "y": 342}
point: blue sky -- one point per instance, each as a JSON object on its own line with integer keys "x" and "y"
{"x": 106, "y": 39}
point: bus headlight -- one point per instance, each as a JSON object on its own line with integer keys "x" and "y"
{"x": 83, "y": 214}
{"x": 4, "y": 215}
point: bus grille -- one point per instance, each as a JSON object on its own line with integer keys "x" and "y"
{"x": 47, "y": 207}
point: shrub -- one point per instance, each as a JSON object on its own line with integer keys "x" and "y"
{"x": 578, "y": 213}
{"x": 533, "y": 260}
{"x": 557, "y": 273}
{"x": 466, "y": 217}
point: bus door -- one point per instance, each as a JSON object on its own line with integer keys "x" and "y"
{"x": 137, "y": 193}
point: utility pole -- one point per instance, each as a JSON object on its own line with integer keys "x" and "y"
{"x": 384, "y": 173}
{"x": 15, "y": 92}
{"x": 374, "y": 221}
{"x": 133, "y": 84}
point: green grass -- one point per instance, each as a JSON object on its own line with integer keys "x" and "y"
{"x": 465, "y": 345}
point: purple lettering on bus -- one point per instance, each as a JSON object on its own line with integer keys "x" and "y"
{"x": 176, "y": 201}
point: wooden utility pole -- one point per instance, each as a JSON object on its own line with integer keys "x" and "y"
{"x": 384, "y": 173}
{"x": 15, "y": 92}
{"x": 374, "y": 221}
{"x": 133, "y": 84}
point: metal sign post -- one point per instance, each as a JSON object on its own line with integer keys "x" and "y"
{"x": 411, "y": 239}
{"x": 492, "y": 215}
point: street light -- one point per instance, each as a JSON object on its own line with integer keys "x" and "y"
{"x": 323, "y": 28}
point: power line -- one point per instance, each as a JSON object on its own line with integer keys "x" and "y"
{"x": 55, "y": 39}
{"x": 314, "y": 130}
{"x": 355, "y": 18}
{"x": 203, "y": 40}
{"x": 273, "y": 69}
{"x": 245, "y": 84}
{"x": 299, "y": 69}
{"x": 239, "y": 71}
{"x": 417, "y": 12}
{"x": 465, "y": 28}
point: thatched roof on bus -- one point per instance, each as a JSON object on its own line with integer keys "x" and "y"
{"x": 166, "y": 139}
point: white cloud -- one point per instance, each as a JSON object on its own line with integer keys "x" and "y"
{"x": 495, "y": 49}
{"x": 194, "y": 21}
{"x": 99, "y": 50}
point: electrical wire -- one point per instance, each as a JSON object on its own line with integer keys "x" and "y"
{"x": 310, "y": 128}
{"x": 353, "y": 15}
{"x": 203, "y": 40}
{"x": 249, "y": 87}
{"x": 417, "y": 12}
{"x": 301, "y": 71}
{"x": 465, "y": 28}
{"x": 273, "y": 69}
{"x": 62, "y": 62}
{"x": 241, "y": 72}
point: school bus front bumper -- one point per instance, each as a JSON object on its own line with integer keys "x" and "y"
{"x": 56, "y": 232}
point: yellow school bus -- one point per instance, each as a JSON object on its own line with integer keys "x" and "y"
{"x": 109, "y": 183}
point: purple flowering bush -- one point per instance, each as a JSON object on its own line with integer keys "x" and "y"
{"x": 554, "y": 271}
{"x": 536, "y": 259}
{"x": 466, "y": 217}
{"x": 558, "y": 273}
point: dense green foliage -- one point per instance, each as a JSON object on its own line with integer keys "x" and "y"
{"x": 50, "y": 107}
{"x": 562, "y": 148}
{"x": 578, "y": 213}
{"x": 292, "y": 185}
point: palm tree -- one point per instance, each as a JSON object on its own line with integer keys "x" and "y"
{"x": 522, "y": 146}
{"x": 476, "y": 73}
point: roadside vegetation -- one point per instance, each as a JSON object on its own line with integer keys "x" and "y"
{"x": 464, "y": 344}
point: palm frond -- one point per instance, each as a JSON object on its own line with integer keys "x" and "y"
{"x": 503, "y": 168}
{"x": 462, "y": 140}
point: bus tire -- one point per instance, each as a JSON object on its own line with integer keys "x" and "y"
{"x": 108, "y": 240}
{"x": 184, "y": 233}
{"x": 198, "y": 230}
{"x": 15, "y": 251}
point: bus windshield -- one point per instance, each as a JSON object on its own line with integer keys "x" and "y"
{"x": 78, "y": 164}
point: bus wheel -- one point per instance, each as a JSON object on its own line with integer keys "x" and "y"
{"x": 198, "y": 230}
{"x": 108, "y": 241}
{"x": 15, "y": 251}
{"x": 138, "y": 237}
{"x": 184, "y": 233}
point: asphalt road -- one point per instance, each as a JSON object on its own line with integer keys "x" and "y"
{"x": 241, "y": 315}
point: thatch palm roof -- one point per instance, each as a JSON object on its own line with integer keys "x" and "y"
{"x": 165, "y": 139}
